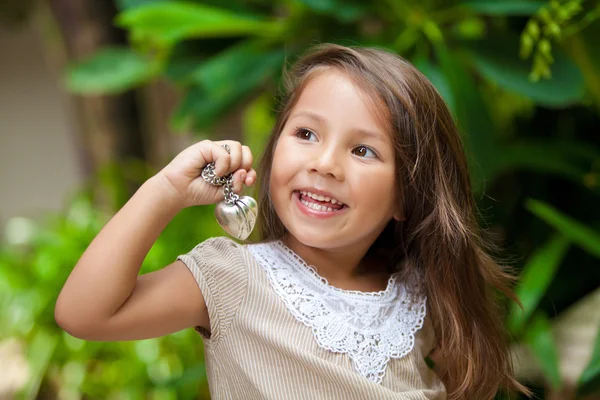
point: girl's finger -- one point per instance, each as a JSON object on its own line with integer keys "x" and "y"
{"x": 222, "y": 160}
{"x": 235, "y": 154}
{"x": 250, "y": 178}
{"x": 247, "y": 158}
{"x": 238, "y": 180}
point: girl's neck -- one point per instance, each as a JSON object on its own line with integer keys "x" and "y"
{"x": 346, "y": 268}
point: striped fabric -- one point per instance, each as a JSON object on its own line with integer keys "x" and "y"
{"x": 257, "y": 350}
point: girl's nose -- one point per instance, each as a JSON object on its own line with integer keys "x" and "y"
{"x": 327, "y": 163}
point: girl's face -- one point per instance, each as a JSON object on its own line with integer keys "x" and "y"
{"x": 332, "y": 180}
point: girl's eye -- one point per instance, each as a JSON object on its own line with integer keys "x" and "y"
{"x": 364, "y": 151}
{"x": 304, "y": 134}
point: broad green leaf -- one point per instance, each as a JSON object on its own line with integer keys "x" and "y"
{"x": 589, "y": 381}
{"x": 523, "y": 156}
{"x": 569, "y": 159}
{"x": 538, "y": 337}
{"x": 185, "y": 57}
{"x": 581, "y": 235}
{"x": 224, "y": 81}
{"x": 125, "y": 4}
{"x": 435, "y": 75}
{"x": 343, "y": 10}
{"x": 537, "y": 275}
{"x": 498, "y": 61}
{"x": 171, "y": 21}
{"x": 472, "y": 116}
{"x": 248, "y": 60}
{"x": 231, "y": 5}
{"x": 180, "y": 68}
{"x": 109, "y": 71}
{"x": 503, "y": 7}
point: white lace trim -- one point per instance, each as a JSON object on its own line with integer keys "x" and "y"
{"x": 371, "y": 327}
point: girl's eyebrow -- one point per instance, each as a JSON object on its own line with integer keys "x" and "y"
{"x": 321, "y": 120}
{"x": 309, "y": 114}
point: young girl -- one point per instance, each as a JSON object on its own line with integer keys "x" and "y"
{"x": 370, "y": 259}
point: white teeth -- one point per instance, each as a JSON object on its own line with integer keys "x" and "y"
{"x": 321, "y": 198}
{"x": 314, "y": 206}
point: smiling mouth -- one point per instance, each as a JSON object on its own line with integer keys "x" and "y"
{"x": 319, "y": 203}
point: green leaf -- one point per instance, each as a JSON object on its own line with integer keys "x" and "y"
{"x": 589, "y": 381}
{"x": 179, "y": 69}
{"x": 224, "y": 81}
{"x": 497, "y": 60}
{"x": 540, "y": 340}
{"x": 537, "y": 275}
{"x": 109, "y": 71}
{"x": 343, "y": 10}
{"x": 231, "y": 5}
{"x": 569, "y": 159}
{"x": 125, "y": 4}
{"x": 472, "y": 117}
{"x": 435, "y": 75}
{"x": 186, "y": 56}
{"x": 579, "y": 234}
{"x": 171, "y": 21}
{"x": 504, "y": 7}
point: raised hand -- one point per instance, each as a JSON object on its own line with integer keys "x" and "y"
{"x": 182, "y": 175}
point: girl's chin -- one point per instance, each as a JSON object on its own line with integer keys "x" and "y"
{"x": 316, "y": 237}
{"x": 304, "y": 240}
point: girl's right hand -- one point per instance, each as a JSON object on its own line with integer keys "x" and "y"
{"x": 183, "y": 175}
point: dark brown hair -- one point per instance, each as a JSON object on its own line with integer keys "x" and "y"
{"x": 440, "y": 237}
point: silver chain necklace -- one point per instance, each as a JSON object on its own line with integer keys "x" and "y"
{"x": 236, "y": 215}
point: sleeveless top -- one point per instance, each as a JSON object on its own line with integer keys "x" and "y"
{"x": 279, "y": 331}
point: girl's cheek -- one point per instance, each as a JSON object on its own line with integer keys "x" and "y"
{"x": 376, "y": 184}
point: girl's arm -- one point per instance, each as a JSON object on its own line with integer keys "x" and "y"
{"x": 104, "y": 299}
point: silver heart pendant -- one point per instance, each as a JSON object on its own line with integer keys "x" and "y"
{"x": 238, "y": 219}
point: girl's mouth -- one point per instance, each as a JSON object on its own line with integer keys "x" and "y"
{"x": 315, "y": 205}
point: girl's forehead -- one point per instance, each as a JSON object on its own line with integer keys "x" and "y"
{"x": 331, "y": 95}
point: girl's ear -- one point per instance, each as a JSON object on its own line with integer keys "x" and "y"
{"x": 399, "y": 211}
{"x": 399, "y": 217}
{"x": 399, "y": 214}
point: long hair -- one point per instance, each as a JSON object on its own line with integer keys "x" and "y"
{"x": 440, "y": 238}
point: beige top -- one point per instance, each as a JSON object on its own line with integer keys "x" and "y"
{"x": 260, "y": 348}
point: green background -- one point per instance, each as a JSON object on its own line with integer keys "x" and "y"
{"x": 522, "y": 79}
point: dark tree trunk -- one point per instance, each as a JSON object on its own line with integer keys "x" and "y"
{"x": 110, "y": 126}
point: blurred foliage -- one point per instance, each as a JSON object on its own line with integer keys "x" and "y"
{"x": 32, "y": 274}
{"x": 521, "y": 78}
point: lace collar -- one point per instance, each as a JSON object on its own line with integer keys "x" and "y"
{"x": 371, "y": 327}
